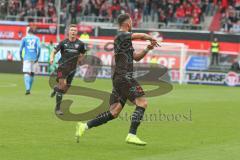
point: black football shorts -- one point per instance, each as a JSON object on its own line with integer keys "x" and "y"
{"x": 124, "y": 89}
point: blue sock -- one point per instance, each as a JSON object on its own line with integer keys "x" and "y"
{"x": 27, "y": 81}
{"x": 31, "y": 81}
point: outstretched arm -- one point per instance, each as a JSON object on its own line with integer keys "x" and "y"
{"x": 138, "y": 56}
{"x": 142, "y": 36}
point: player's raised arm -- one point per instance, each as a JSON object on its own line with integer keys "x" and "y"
{"x": 142, "y": 36}
{"x": 137, "y": 56}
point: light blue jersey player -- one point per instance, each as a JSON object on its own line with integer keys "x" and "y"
{"x": 31, "y": 45}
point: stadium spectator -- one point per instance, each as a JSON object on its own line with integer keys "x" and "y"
{"x": 85, "y": 7}
{"x": 14, "y": 7}
{"x": 73, "y": 12}
{"x": 180, "y": 14}
{"x": 104, "y": 13}
{"x": 164, "y": 11}
{"x": 40, "y": 10}
{"x": 224, "y": 4}
{"x": 34, "y": 3}
{"x": 196, "y": 19}
{"x": 63, "y": 16}
{"x": 170, "y": 13}
{"x": 230, "y": 20}
{"x": 154, "y": 10}
{"x": 115, "y": 9}
{"x": 146, "y": 10}
{"x": 136, "y": 18}
{"x": 237, "y": 5}
{"x": 9, "y": 56}
{"x": 131, "y": 5}
{"x": 235, "y": 66}
{"x": 3, "y": 9}
{"x": 209, "y": 7}
{"x": 188, "y": 10}
{"x": 162, "y": 17}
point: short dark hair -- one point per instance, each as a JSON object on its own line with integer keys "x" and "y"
{"x": 123, "y": 17}
{"x": 72, "y": 25}
{"x": 30, "y": 31}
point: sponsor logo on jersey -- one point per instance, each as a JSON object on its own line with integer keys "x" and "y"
{"x": 71, "y": 50}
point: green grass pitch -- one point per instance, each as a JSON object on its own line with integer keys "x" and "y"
{"x": 29, "y": 130}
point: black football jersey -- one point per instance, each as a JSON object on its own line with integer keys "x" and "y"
{"x": 123, "y": 51}
{"x": 70, "y": 52}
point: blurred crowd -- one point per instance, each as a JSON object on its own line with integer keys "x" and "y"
{"x": 163, "y": 11}
{"x": 230, "y": 16}
{"x": 29, "y": 8}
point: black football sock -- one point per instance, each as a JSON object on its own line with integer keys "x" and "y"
{"x": 55, "y": 89}
{"x": 100, "y": 119}
{"x": 59, "y": 96}
{"x": 136, "y": 119}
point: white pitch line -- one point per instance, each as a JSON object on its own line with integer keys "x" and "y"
{"x": 8, "y": 85}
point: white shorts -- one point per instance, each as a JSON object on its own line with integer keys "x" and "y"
{"x": 29, "y": 66}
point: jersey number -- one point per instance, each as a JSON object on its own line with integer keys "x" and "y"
{"x": 31, "y": 43}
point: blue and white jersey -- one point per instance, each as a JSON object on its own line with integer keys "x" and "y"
{"x": 31, "y": 44}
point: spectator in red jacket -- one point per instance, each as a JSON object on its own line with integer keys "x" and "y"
{"x": 224, "y": 4}
{"x": 136, "y": 18}
{"x": 180, "y": 14}
{"x": 188, "y": 10}
{"x": 195, "y": 19}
